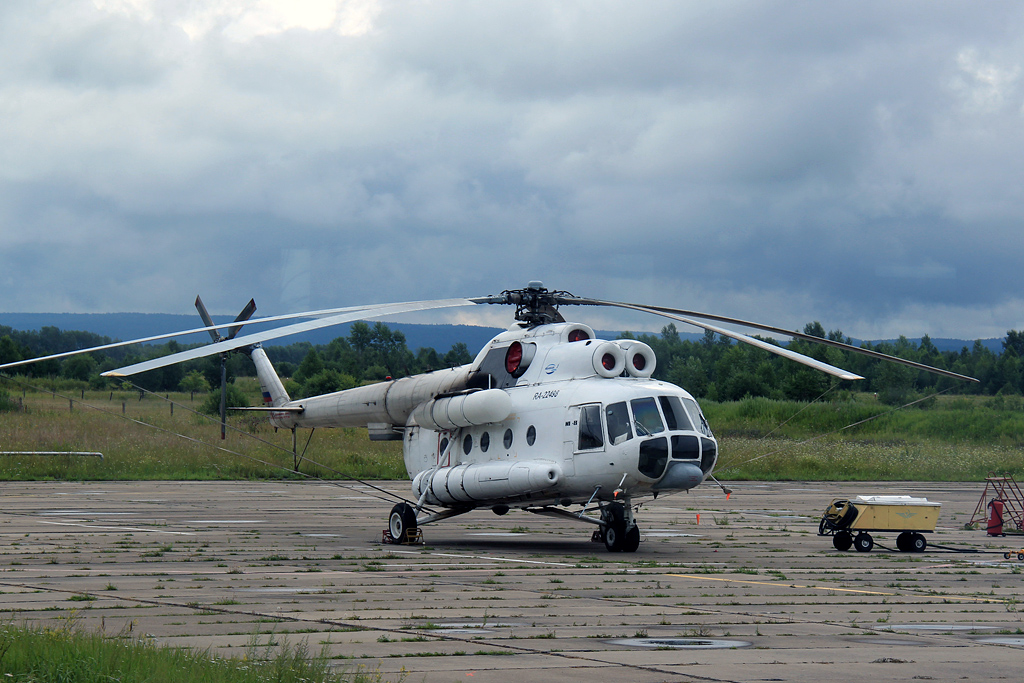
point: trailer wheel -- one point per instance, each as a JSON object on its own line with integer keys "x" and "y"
{"x": 842, "y": 540}
{"x": 903, "y": 542}
{"x": 1020, "y": 556}
{"x": 864, "y": 543}
{"x": 918, "y": 542}
{"x": 1006, "y": 556}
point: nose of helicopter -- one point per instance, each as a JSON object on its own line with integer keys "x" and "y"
{"x": 680, "y": 476}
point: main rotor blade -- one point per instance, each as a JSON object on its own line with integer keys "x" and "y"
{"x": 207, "y": 320}
{"x": 767, "y": 346}
{"x": 664, "y": 310}
{"x": 246, "y": 313}
{"x": 171, "y": 335}
{"x": 182, "y": 333}
{"x": 249, "y": 339}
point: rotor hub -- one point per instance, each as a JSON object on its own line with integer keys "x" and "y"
{"x": 535, "y": 304}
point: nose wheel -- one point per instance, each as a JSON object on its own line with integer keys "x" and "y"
{"x": 621, "y": 534}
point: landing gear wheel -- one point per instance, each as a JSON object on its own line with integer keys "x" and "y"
{"x": 615, "y": 528}
{"x": 864, "y": 543}
{"x": 401, "y": 522}
{"x": 918, "y": 543}
{"x": 615, "y": 537}
{"x": 631, "y": 541}
{"x": 903, "y": 542}
{"x": 842, "y": 540}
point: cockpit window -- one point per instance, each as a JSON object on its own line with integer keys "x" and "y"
{"x": 618, "y": 423}
{"x": 590, "y": 428}
{"x": 697, "y": 416}
{"x": 675, "y": 414}
{"x": 646, "y": 418}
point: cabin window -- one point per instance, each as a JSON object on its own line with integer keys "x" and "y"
{"x": 646, "y": 417}
{"x": 508, "y": 438}
{"x": 590, "y": 428}
{"x": 485, "y": 441}
{"x": 467, "y": 444}
{"x": 675, "y": 414}
{"x": 618, "y": 423}
{"x": 531, "y": 435}
{"x": 443, "y": 447}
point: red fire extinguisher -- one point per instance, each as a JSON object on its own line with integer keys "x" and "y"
{"x": 995, "y": 518}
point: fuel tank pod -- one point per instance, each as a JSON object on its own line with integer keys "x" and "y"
{"x": 488, "y": 481}
{"x": 464, "y": 410}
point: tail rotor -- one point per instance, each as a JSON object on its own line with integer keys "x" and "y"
{"x": 233, "y": 330}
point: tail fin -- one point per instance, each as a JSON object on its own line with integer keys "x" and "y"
{"x": 274, "y": 394}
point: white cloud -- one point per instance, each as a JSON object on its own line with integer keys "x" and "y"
{"x": 787, "y": 162}
{"x": 244, "y": 20}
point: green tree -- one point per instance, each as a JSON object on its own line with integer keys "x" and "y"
{"x": 236, "y": 398}
{"x": 79, "y": 367}
{"x": 326, "y": 382}
{"x": 310, "y": 366}
{"x": 458, "y": 355}
{"x": 193, "y": 382}
{"x": 9, "y": 351}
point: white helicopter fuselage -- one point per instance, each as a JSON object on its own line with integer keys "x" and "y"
{"x": 546, "y": 415}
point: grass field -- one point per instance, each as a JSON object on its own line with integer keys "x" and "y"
{"x": 946, "y": 439}
{"x": 142, "y": 439}
{"x": 45, "y": 655}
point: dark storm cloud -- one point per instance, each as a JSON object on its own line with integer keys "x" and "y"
{"x": 789, "y": 161}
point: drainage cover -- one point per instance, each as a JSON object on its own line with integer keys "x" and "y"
{"x": 681, "y": 643}
{"x": 477, "y": 624}
{"x": 1002, "y": 641}
{"x": 937, "y": 627}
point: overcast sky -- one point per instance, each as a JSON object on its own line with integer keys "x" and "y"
{"x": 855, "y": 163}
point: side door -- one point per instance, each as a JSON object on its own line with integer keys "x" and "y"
{"x": 584, "y": 435}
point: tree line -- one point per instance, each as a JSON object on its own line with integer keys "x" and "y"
{"x": 712, "y": 367}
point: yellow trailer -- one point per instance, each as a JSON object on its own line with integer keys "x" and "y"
{"x": 908, "y": 515}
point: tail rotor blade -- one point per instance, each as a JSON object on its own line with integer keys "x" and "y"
{"x": 207, "y": 320}
{"x": 246, "y": 313}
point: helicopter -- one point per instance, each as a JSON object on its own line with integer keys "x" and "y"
{"x": 547, "y": 418}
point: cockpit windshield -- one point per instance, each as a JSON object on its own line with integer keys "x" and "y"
{"x": 675, "y": 414}
{"x": 697, "y": 416}
{"x": 646, "y": 417}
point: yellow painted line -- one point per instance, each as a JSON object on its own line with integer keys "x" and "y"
{"x": 777, "y": 584}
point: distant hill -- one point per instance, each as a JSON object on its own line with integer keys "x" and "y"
{"x": 124, "y": 326}
{"x": 440, "y": 337}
